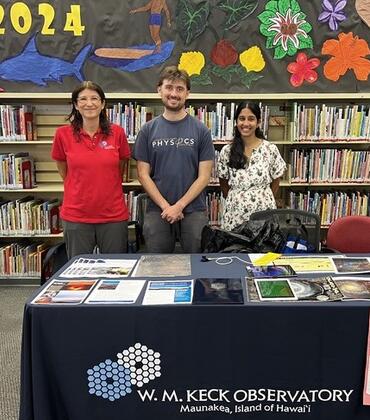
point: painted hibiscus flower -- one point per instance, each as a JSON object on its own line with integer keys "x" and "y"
{"x": 333, "y": 13}
{"x": 348, "y": 52}
{"x": 303, "y": 69}
{"x": 224, "y": 53}
{"x": 285, "y": 27}
{"x": 192, "y": 62}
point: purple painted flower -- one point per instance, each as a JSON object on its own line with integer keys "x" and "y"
{"x": 333, "y": 13}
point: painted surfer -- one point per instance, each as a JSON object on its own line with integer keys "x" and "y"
{"x": 155, "y": 19}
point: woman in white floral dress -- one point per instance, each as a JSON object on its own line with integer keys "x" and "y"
{"x": 249, "y": 169}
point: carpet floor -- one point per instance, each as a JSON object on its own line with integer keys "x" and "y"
{"x": 12, "y": 300}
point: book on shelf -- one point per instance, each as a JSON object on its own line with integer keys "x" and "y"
{"x": 27, "y": 216}
{"x": 16, "y": 171}
{"x": 326, "y": 122}
{"x": 126, "y": 170}
{"x": 52, "y": 219}
{"x": 17, "y": 123}
{"x": 28, "y": 173}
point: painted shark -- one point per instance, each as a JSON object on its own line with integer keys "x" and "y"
{"x": 31, "y": 66}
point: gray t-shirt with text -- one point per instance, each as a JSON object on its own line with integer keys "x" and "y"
{"x": 174, "y": 149}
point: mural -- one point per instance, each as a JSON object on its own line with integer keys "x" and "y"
{"x": 143, "y": 56}
{"x": 231, "y": 46}
{"x": 31, "y": 66}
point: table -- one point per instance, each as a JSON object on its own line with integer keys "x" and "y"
{"x": 254, "y": 361}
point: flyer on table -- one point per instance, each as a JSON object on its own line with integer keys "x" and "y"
{"x": 168, "y": 292}
{"x": 113, "y": 291}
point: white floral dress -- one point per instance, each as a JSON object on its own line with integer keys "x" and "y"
{"x": 250, "y": 187}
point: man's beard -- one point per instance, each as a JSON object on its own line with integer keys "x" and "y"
{"x": 174, "y": 108}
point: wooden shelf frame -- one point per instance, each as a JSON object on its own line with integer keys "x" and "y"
{"x": 280, "y": 97}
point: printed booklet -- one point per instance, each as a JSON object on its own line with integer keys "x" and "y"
{"x": 351, "y": 265}
{"x": 168, "y": 292}
{"x": 113, "y": 291}
{"x": 95, "y": 267}
{"x": 302, "y": 264}
{"x": 354, "y": 288}
{"x": 65, "y": 292}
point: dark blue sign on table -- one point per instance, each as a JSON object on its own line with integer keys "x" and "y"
{"x": 256, "y": 361}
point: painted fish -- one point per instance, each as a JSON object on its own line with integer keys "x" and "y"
{"x": 31, "y": 66}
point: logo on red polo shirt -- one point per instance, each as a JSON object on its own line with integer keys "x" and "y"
{"x": 105, "y": 145}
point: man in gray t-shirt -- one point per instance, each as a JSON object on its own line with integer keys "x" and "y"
{"x": 174, "y": 154}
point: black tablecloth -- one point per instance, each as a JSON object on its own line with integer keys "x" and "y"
{"x": 256, "y": 361}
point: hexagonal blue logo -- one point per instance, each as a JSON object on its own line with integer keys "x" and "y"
{"x": 109, "y": 380}
{"x": 136, "y": 365}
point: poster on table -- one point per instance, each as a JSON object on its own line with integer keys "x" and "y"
{"x": 226, "y": 46}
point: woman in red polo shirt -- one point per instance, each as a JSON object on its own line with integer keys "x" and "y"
{"x": 90, "y": 153}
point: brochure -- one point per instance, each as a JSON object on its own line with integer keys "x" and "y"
{"x": 303, "y": 264}
{"x": 318, "y": 289}
{"x": 65, "y": 291}
{"x": 114, "y": 291}
{"x": 168, "y": 292}
{"x": 357, "y": 288}
{"x": 218, "y": 291}
{"x": 90, "y": 267}
{"x": 165, "y": 265}
{"x": 271, "y": 271}
{"x": 351, "y": 265}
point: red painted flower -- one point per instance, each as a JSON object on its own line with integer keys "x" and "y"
{"x": 224, "y": 53}
{"x": 303, "y": 69}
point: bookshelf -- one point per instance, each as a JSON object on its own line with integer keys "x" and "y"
{"x": 283, "y": 125}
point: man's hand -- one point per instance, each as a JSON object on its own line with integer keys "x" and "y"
{"x": 173, "y": 213}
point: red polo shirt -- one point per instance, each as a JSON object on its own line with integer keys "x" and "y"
{"x": 93, "y": 186}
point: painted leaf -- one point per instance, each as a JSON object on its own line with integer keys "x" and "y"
{"x": 272, "y": 5}
{"x": 249, "y": 77}
{"x": 225, "y": 73}
{"x": 201, "y": 80}
{"x": 270, "y": 42}
{"x": 306, "y": 27}
{"x": 264, "y": 31}
{"x": 237, "y": 10}
{"x": 265, "y": 16}
{"x": 284, "y": 5}
{"x": 292, "y": 49}
{"x": 192, "y": 19}
{"x": 279, "y": 52}
{"x": 294, "y": 5}
{"x": 305, "y": 42}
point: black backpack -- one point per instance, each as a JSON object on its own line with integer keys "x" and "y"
{"x": 251, "y": 236}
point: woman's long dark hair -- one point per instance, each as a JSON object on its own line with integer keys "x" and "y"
{"x": 237, "y": 157}
{"x": 75, "y": 117}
